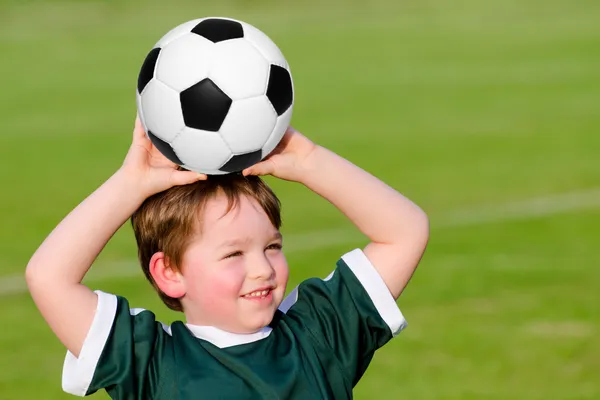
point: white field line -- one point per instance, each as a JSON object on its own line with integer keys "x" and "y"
{"x": 512, "y": 211}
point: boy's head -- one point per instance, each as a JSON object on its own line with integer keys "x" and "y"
{"x": 213, "y": 250}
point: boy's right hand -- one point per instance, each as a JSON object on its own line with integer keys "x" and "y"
{"x": 150, "y": 169}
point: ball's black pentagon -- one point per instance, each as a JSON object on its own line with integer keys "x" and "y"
{"x": 218, "y": 30}
{"x": 241, "y": 161}
{"x": 165, "y": 148}
{"x": 204, "y": 106}
{"x": 279, "y": 89}
{"x": 147, "y": 70}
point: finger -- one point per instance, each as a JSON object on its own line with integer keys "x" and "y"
{"x": 186, "y": 177}
{"x": 262, "y": 168}
{"x": 138, "y": 130}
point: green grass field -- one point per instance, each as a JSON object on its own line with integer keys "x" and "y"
{"x": 484, "y": 113}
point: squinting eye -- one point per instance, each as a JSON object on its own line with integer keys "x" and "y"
{"x": 274, "y": 246}
{"x": 234, "y": 254}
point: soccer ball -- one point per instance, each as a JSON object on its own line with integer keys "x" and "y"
{"x": 215, "y": 95}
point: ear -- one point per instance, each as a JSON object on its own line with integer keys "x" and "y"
{"x": 168, "y": 280}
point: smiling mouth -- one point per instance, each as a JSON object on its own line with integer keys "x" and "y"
{"x": 257, "y": 294}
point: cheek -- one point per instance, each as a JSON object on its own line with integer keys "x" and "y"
{"x": 211, "y": 285}
{"x": 280, "y": 266}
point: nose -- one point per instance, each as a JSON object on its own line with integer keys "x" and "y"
{"x": 260, "y": 268}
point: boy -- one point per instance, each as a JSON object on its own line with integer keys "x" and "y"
{"x": 212, "y": 249}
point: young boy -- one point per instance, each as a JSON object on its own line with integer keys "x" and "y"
{"x": 211, "y": 247}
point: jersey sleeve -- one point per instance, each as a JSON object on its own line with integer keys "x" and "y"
{"x": 351, "y": 312}
{"x": 118, "y": 353}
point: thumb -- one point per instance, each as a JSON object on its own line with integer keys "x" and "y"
{"x": 266, "y": 167}
{"x": 179, "y": 178}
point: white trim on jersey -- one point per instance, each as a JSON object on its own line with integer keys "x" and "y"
{"x": 223, "y": 339}
{"x": 376, "y": 288}
{"x": 289, "y": 301}
{"x": 79, "y": 371}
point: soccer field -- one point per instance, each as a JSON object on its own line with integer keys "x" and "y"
{"x": 486, "y": 114}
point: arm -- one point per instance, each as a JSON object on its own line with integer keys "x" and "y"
{"x": 397, "y": 228}
{"x": 55, "y": 271}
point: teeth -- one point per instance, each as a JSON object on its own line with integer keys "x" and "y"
{"x": 258, "y": 293}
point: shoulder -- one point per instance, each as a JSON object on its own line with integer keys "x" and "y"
{"x": 354, "y": 287}
{"x": 348, "y": 315}
{"x": 118, "y": 335}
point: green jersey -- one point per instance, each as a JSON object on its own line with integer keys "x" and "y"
{"x": 319, "y": 344}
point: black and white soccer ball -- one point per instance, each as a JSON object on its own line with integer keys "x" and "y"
{"x": 215, "y": 95}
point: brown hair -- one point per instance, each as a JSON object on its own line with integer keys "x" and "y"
{"x": 167, "y": 221}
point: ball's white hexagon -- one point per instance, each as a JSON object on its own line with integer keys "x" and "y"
{"x": 239, "y": 69}
{"x": 185, "y": 61}
{"x": 177, "y": 32}
{"x": 283, "y": 122}
{"x": 265, "y": 45}
{"x": 161, "y": 109}
{"x": 248, "y": 124}
{"x": 201, "y": 151}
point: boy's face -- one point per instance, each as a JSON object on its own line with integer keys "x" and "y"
{"x": 235, "y": 273}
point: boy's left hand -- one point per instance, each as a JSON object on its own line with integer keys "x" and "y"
{"x": 288, "y": 160}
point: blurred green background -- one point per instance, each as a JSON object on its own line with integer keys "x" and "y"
{"x": 487, "y": 114}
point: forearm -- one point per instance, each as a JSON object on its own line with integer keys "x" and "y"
{"x": 397, "y": 228}
{"x": 379, "y": 211}
{"x": 55, "y": 271}
{"x": 69, "y": 251}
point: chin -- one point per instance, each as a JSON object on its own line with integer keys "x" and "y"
{"x": 260, "y": 323}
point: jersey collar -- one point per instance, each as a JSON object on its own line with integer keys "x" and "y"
{"x": 222, "y": 339}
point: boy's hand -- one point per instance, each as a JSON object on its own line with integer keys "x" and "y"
{"x": 150, "y": 169}
{"x": 288, "y": 160}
